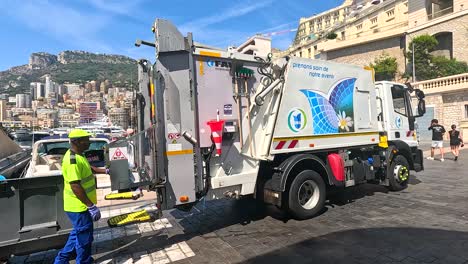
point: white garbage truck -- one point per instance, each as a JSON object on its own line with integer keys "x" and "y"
{"x": 218, "y": 123}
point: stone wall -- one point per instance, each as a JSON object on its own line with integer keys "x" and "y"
{"x": 449, "y": 108}
{"x": 366, "y": 53}
{"x": 454, "y": 107}
{"x": 459, "y": 29}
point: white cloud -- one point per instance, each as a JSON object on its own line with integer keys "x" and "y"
{"x": 117, "y": 7}
{"x": 238, "y": 10}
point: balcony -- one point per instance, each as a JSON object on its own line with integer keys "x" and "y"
{"x": 445, "y": 84}
{"x": 440, "y": 13}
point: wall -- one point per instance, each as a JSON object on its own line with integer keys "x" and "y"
{"x": 417, "y": 15}
{"x": 366, "y": 53}
{"x": 459, "y": 28}
{"x": 449, "y": 107}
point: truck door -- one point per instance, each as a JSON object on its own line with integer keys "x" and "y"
{"x": 400, "y": 113}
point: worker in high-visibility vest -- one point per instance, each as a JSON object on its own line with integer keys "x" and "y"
{"x": 79, "y": 199}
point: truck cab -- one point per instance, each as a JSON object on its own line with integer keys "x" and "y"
{"x": 396, "y": 116}
{"x": 395, "y": 112}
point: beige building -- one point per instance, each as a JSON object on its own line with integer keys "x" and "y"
{"x": 361, "y": 33}
{"x": 120, "y": 117}
{"x": 446, "y": 98}
{"x": 3, "y": 113}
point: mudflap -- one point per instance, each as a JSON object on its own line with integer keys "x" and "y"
{"x": 418, "y": 160}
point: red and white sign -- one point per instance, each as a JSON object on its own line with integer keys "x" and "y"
{"x": 118, "y": 153}
{"x": 173, "y": 136}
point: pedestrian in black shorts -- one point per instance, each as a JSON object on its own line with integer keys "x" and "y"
{"x": 455, "y": 141}
{"x": 438, "y": 132}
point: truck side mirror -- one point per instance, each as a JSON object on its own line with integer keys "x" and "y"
{"x": 421, "y": 107}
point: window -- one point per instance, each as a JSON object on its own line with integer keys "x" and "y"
{"x": 310, "y": 52}
{"x": 391, "y": 13}
{"x": 466, "y": 111}
{"x": 373, "y": 20}
{"x": 399, "y": 99}
{"x": 343, "y": 36}
{"x": 438, "y": 8}
{"x": 359, "y": 27}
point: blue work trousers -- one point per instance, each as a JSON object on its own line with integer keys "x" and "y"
{"x": 79, "y": 241}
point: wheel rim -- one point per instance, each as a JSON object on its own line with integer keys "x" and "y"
{"x": 401, "y": 173}
{"x": 308, "y": 194}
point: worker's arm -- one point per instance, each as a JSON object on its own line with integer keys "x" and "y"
{"x": 80, "y": 193}
{"x": 99, "y": 170}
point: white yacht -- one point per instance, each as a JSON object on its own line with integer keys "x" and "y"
{"x": 47, "y": 155}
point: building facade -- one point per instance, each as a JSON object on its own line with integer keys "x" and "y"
{"x": 120, "y": 117}
{"x": 3, "y": 112}
{"x": 447, "y": 97}
{"x": 88, "y": 112}
{"x": 23, "y": 101}
{"x": 361, "y": 33}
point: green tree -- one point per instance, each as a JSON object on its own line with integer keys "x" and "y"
{"x": 423, "y": 46}
{"x": 429, "y": 66}
{"x": 332, "y": 35}
{"x": 443, "y": 66}
{"x": 385, "y": 68}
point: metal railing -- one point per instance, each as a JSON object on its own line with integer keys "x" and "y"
{"x": 440, "y": 13}
{"x": 444, "y": 84}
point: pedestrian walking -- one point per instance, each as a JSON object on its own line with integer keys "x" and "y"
{"x": 438, "y": 132}
{"x": 79, "y": 200}
{"x": 455, "y": 141}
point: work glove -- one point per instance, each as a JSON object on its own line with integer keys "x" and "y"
{"x": 94, "y": 212}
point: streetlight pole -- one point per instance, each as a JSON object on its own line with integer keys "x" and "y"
{"x": 414, "y": 67}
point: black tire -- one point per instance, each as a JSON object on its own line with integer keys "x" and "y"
{"x": 306, "y": 179}
{"x": 396, "y": 183}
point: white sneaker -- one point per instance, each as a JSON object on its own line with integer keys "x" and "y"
{"x": 430, "y": 158}
{"x": 442, "y": 160}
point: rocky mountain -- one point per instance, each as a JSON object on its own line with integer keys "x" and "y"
{"x": 69, "y": 66}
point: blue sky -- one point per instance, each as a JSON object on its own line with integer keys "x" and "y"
{"x": 108, "y": 26}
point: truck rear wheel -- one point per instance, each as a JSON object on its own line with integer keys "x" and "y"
{"x": 399, "y": 173}
{"x": 306, "y": 195}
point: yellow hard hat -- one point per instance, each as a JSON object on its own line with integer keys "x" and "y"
{"x": 78, "y": 133}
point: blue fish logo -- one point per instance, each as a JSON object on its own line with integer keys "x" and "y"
{"x": 297, "y": 120}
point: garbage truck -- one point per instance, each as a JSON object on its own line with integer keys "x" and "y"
{"x": 220, "y": 123}
{"x": 215, "y": 123}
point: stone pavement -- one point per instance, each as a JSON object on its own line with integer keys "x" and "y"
{"x": 426, "y": 223}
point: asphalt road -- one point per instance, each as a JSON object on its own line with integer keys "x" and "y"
{"x": 426, "y": 223}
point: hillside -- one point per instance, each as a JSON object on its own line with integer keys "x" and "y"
{"x": 69, "y": 66}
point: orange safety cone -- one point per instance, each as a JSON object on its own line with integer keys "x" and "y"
{"x": 217, "y": 133}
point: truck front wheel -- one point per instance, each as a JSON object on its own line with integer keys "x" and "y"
{"x": 399, "y": 173}
{"x": 306, "y": 195}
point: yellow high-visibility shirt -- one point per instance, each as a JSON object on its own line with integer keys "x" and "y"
{"x": 76, "y": 167}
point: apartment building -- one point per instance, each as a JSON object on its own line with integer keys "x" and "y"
{"x": 362, "y": 32}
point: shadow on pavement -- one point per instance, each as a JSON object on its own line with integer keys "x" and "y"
{"x": 379, "y": 245}
{"x": 210, "y": 216}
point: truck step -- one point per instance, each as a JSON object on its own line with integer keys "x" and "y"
{"x": 122, "y": 196}
{"x": 130, "y": 218}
